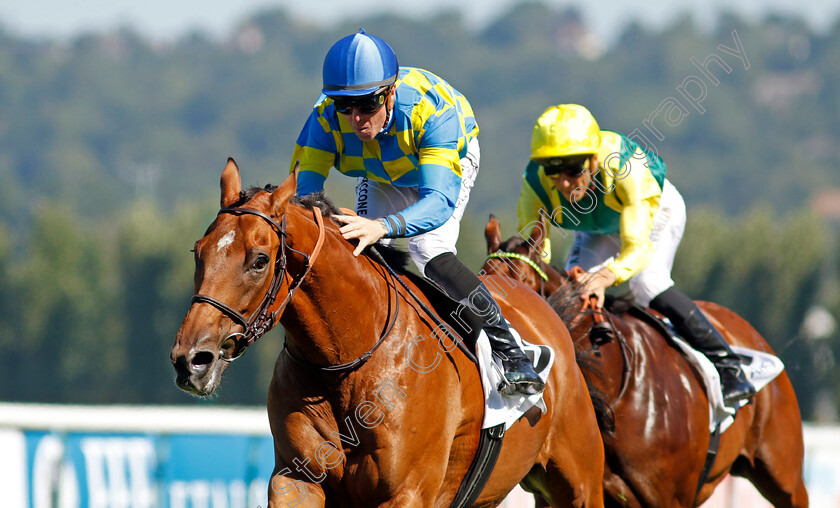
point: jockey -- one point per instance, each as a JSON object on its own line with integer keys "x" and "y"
{"x": 410, "y": 140}
{"x": 628, "y": 221}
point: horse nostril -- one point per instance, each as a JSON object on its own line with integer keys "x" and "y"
{"x": 201, "y": 361}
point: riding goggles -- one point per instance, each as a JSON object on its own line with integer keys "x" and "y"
{"x": 366, "y": 104}
{"x": 569, "y": 166}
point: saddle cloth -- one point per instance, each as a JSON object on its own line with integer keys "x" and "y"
{"x": 760, "y": 368}
{"x": 507, "y": 409}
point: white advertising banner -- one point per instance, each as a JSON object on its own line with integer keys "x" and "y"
{"x": 66, "y": 457}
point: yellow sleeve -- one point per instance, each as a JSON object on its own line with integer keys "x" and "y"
{"x": 312, "y": 159}
{"x": 639, "y": 195}
{"x": 527, "y": 213}
{"x": 318, "y": 144}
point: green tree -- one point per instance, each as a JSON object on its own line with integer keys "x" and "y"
{"x": 69, "y": 346}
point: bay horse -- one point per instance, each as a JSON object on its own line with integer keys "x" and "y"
{"x": 657, "y": 452}
{"x": 366, "y": 407}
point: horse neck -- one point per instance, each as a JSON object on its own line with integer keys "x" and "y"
{"x": 341, "y": 306}
{"x": 555, "y": 279}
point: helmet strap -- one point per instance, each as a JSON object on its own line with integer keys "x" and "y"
{"x": 387, "y": 119}
{"x": 388, "y": 109}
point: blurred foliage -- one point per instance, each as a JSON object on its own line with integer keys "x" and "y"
{"x": 111, "y": 147}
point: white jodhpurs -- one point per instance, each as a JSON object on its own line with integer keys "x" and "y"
{"x": 594, "y": 251}
{"x": 375, "y": 199}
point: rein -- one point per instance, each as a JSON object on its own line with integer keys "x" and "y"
{"x": 263, "y": 319}
{"x": 390, "y": 277}
{"x": 604, "y": 319}
{"x": 599, "y": 317}
{"x": 438, "y": 322}
{"x": 358, "y": 362}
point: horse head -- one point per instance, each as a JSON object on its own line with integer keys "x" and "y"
{"x": 240, "y": 265}
{"x": 521, "y": 258}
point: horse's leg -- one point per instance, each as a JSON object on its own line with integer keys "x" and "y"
{"x": 284, "y": 491}
{"x": 769, "y": 485}
{"x": 540, "y": 502}
{"x": 617, "y": 493}
{"x": 776, "y": 470}
{"x": 575, "y": 467}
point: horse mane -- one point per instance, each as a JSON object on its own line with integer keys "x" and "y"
{"x": 317, "y": 200}
{"x": 246, "y": 195}
{"x": 603, "y": 411}
{"x": 394, "y": 257}
{"x": 566, "y": 303}
{"x": 320, "y": 201}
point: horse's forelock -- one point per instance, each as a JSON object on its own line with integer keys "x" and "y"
{"x": 513, "y": 243}
{"x": 248, "y": 194}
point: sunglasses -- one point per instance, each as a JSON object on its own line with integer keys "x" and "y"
{"x": 366, "y": 104}
{"x": 569, "y": 166}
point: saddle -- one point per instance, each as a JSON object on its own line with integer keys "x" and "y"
{"x": 760, "y": 367}
{"x": 458, "y": 317}
{"x": 466, "y": 325}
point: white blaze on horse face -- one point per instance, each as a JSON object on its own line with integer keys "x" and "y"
{"x": 225, "y": 240}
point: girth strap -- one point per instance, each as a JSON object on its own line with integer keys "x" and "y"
{"x": 489, "y": 445}
{"x": 714, "y": 437}
{"x": 714, "y": 442}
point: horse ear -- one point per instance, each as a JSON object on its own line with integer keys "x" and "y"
{"x": 538, "y": 235}
{"x": 231, "y": 184}
{"x": 281, "y": 196}
{"x": 492, "y": 234}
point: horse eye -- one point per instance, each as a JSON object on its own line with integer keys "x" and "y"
{"x": 260, "y": 263}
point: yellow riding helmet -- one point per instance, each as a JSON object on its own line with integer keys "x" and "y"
{"x": 564, "y": 130}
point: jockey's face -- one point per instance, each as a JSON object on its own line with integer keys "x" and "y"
{"x": 367, "y": 125}
{"x": 573, "y": 186}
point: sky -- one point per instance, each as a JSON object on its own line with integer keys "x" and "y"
{"x": 169, "y": 19}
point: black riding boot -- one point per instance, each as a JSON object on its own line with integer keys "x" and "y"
{"x": 696, "y": 329}
{"x": 519, "y": 371}
{"x": 463, "y": 285}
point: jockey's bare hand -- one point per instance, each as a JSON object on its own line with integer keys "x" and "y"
{"x": 365, "y": 230}
{"x": 595, "y": 284}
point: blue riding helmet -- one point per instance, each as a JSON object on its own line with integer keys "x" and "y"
{"x": 357, "y": 65}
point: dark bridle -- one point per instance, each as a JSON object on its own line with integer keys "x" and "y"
{"x": 262, "y": 319}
